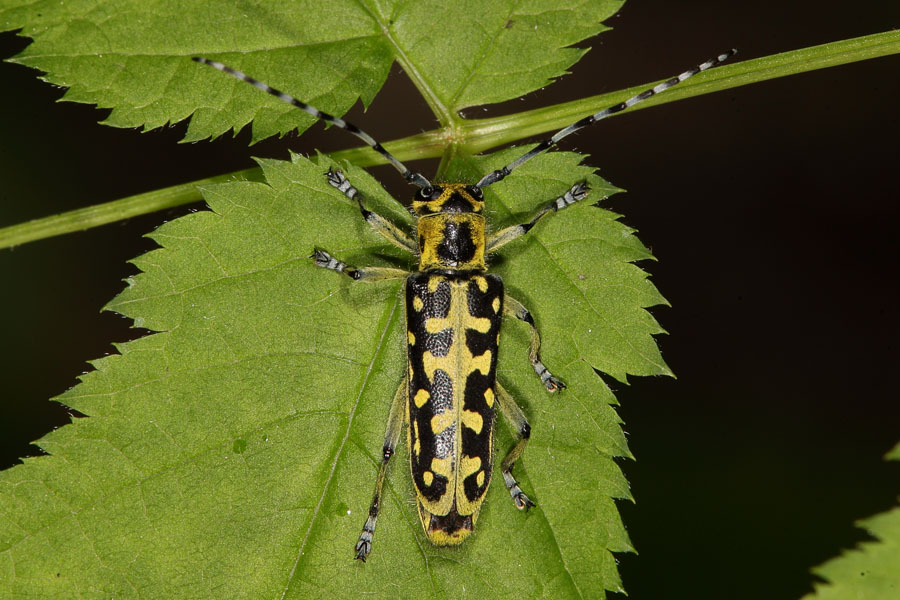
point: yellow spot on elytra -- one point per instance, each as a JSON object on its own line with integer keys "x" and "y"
{"x": 440, "y": 537}
{"x": 469, "y": 465}
{"x": 443, "y": 466}
{"x": 480, "y": 478}
{"x": 428, "y": 478}
{"x": 418, "y": 304}
{"x": 421, "y": 398}
{"x": 489, "y": 397}
{"x": 482, "y": 283}
{"x": 472, "y": 420}
{"x": 411, "y": 337}
{"x": 431, "y": 363}
{"x": 481, "y": 324}
{"x": 417, "y": 447}
{"x": 436, "y": 325}
{"x": 441, "y": 421}
{"x": 482, "y": 363}
{"x": 496, "y": 304}
{"x": 433, "y": 283}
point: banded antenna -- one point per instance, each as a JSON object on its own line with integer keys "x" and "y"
{"x": 500, "y": 174}
{"x": 412, "y": 177}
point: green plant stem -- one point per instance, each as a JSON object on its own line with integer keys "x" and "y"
{"x": 478, "y": 135}
{"x": 117, "y": 210}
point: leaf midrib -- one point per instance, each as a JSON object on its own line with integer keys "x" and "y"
{"x": 465, "y": 84}
{"x": 379, "y": 346}
{"x": 444, "y": 115}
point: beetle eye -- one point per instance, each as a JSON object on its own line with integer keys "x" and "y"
{"x": 476, "y": 192}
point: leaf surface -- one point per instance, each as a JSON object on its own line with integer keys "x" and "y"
{"x": 232, "y": 454}
{"x": 133, "y": 56}
{"x": 871, "y": 571}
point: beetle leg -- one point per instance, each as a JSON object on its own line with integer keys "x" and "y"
{"x": 577, "y": 192}
{"x": 514, "y": 308}
{"x": 391, "y": 436}
{"x": 326, "y": 261}
{"x": 513, "y": 414}
{"x": 391, "y": 232}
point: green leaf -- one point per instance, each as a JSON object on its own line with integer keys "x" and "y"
{"x": 233, "y": 453}
{"x": 132, "y": 55}
{"x": 872, "y": 570}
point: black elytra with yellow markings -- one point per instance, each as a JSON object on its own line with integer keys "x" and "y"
{"x": 453, "y": 326}
{"x": 449, "y": 395}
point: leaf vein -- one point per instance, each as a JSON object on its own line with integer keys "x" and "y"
{"x": 485, "y": 50}
{"x": 379, "y": 346}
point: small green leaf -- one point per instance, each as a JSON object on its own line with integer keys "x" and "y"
{"x": 872, "y": 570}
{"x": 488, "y": 52}
{"x": 133, "y": 55}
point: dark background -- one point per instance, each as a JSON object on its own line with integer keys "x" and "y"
{"x": 772, "y": 209}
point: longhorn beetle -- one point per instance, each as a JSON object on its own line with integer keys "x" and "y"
{"x": 453, "y": 312}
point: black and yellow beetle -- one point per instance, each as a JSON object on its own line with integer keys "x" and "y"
{"x": 453, "y": 313}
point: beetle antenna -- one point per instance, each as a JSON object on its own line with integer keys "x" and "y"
{"x": 412, "y": 177}
{"x": 500, "y": 174}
